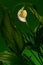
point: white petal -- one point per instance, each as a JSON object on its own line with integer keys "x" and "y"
{"x": 21, "y": 18}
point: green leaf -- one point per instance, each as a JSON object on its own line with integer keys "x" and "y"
{"x": 10, "y": 32}
{"x": 10, "y": 59}
{"x": 38, "y": 16}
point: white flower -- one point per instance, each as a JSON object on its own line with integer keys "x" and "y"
{"x": 22, "y": 14}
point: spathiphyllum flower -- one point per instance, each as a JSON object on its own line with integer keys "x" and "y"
{"x": 22, "y": 14}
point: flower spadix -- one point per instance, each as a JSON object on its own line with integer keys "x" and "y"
{"x": 22, "y": 14}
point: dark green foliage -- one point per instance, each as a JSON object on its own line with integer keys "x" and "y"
{"x": 1, "y": 63}
{"x": 10, "y": 33}
{"x": 17, "y": 40}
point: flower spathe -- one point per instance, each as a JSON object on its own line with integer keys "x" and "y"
{"x": 22, "y": 14}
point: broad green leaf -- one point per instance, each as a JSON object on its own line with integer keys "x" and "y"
{"x": 10, "y": 59}
{"x": 38, "y": 16}
{"x": 33, "y": 55}
{"x": 10, "y": 32}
